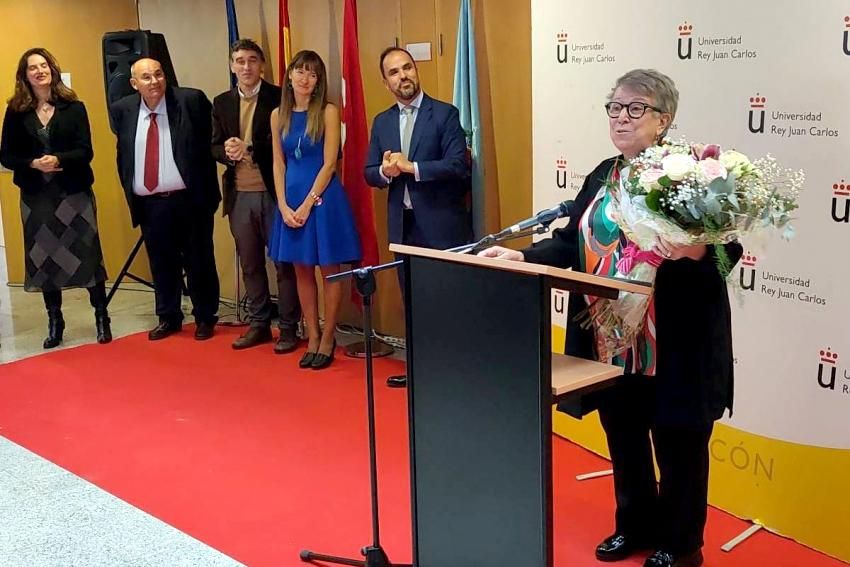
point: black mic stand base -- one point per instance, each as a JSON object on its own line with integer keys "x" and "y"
{"x": 374, "y": 557}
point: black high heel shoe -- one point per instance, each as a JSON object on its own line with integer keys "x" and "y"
{"x": 307, "y": 359}
{"x": 323, "y": 360}
{"x": 55, "y": 329}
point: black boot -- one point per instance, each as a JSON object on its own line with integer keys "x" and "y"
{"x": 55, "y": 328}
{"x": 101, "y": 323}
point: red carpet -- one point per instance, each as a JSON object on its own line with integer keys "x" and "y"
{"x": 260, "y": 459}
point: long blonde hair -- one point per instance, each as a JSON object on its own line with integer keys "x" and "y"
{"x": 24, "y": 98}
{"x": 309, "y": 61}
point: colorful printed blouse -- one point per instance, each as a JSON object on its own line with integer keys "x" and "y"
{"x": 600, "y": 245}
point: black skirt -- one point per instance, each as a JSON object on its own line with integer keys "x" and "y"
{"x": 60, "y": 239}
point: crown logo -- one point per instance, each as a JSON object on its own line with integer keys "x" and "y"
{"x": 561, "y": 163}
{"x": 841, "y": 189}
{"x": 847, "y": 21}
{"x": 685, "y": 29}
{"x": 562, "y": 37}
{"x": 828, "y": 356}
{"x": 757, "y": 101}
{"x": 749, "y": 260}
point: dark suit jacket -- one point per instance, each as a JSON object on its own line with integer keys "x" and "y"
{"x": 226, "y": 125}
{"x": 438, "y": 145}
{"x": 190, "y": 122}
{"x": 694, "y": 381}
{"x": 70, "y": 141}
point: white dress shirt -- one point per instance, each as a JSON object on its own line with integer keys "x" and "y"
{"x": 169, "y": 176}
{"x": 402, "y": 122}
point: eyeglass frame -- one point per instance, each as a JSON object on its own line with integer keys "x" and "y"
{"x": 645, "y": 106}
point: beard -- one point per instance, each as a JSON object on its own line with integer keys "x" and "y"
{"x": 407, "y": 90}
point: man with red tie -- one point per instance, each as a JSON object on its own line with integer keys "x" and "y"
{"x": 169, "y": 178}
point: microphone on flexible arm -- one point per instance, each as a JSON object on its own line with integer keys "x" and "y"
{"x": 544, "y": 217}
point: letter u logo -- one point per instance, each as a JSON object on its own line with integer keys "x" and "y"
{"x": 760, "y": 128}
{"x": 752, "y": 283}
{"x": 835, "y": 217}
{"x": 562, "y": 53}
{"x": 830, "y": 385}
{"x": 687, "y": 55}
{"x": 846, "y": 42}
{"x": 561, "y": 178}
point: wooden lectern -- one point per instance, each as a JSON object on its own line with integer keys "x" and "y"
{"x": 481, "y": 383}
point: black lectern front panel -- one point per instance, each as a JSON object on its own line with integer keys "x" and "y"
{"x": 480, "y": 403}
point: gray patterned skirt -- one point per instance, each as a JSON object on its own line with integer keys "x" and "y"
{"x": 60, "y": 239}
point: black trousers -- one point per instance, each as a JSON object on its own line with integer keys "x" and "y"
{"x": 177, "y": 238}
{"x": 97, "y": 298}
{"x": 673, "y": 511}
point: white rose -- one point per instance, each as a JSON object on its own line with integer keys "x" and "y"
{"x": 736, "y": 162}
{"x": 678, "y": 166}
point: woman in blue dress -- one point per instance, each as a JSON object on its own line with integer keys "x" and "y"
{"x": 314, "y": 225}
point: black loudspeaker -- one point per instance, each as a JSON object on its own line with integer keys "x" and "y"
{"x": 123, "y": 48}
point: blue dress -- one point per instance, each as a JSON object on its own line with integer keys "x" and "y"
{"x": 329, "y": 236}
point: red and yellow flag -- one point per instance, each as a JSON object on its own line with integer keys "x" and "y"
{"x": 284, "y": 55}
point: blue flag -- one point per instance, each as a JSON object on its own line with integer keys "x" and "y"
{"x": 466, "y": 100}
{"x": 232, "y": 33}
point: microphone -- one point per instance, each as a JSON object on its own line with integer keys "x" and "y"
{"x": 544, "y": 217}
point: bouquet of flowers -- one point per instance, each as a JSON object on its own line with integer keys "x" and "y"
{"x": 687, "y": 194}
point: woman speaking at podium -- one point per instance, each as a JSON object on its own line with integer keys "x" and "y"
{"x": 677, "y": 375}
{"x": 47, "y": 143}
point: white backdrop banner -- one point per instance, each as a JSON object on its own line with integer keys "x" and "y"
{"x": 761, "y": 77}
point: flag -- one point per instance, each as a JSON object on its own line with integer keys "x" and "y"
{"x": 466, "y": 100}
{"x": 284, "y": 50}
{"x": 232, "y": 33}
{"x": 355, "y": 139}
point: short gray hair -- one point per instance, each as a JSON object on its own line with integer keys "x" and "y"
{"x": 651, "y": 83}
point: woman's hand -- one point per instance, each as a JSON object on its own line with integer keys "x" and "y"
{"x": 46, "y": 164}
{"x": 502, "y": 253}
{"x": 670, "y": 251}
{"x": 289, "y": 216}
{"x": 302, "y": 213}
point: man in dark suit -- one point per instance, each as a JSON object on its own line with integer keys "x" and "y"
{"x": 418, "y": 150}
{"x": 169, "y": 179}
{"x": 242, "y": 141}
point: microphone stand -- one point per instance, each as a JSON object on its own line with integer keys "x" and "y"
{"x": 364, "y": 281}
{"x": 375, "y": 556}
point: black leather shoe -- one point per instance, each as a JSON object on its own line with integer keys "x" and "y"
{"x": 619, "y": 546}
{"x": 253, "y": 337}
{"x": 55, "y": 329}
{"x": 665, "y": 559}
{"x": 323, "y": 360}
{"x": 204, "y": 330}
{"x": 397, "y": 381}
{"x": 164, "y": 329}
{"x": 287, "y": 342}
{"x": 307, "y": 359}
{"x": 103, "y": 328}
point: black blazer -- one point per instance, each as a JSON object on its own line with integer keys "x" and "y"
{"x": 694, "y": 381}
{"x": 190, "y": 121}
{"x": 438, "y": 145}
{"x": 70, "y": 141}
{"x": 226, "y": 125}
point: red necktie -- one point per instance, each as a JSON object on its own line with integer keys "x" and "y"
{"x": 152, "y": 155}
